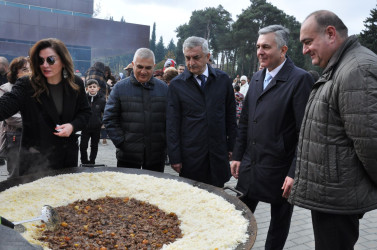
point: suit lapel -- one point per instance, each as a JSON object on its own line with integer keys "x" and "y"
{"x": 281, "y": 77}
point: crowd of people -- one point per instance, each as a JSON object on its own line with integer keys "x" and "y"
{"x": 289, "y": 136}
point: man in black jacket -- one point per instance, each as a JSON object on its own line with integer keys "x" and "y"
{"x": 135, "y": 116}
{"x": 264, "y": 153}
{"x": 201, "y": 118}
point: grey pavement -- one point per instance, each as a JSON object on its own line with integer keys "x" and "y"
{"x": 301, "y": 233}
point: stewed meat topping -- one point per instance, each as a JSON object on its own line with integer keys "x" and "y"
{"x": 112, "y": 223}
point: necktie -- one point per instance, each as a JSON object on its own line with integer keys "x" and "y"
{"x": 267, "y": 80}
{"x": 202, "y": 78}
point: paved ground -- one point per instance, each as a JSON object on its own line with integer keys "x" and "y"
{"x": 301, "y": 232}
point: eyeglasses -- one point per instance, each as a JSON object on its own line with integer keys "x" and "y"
{"x": 50, "y": 60}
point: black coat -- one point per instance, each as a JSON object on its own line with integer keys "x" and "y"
{"x": 97, "y": 104}
{"x": 268, "y": 131}
{"x": 201, "y": 126}
{"x": 40, "y": 148}
{"x": 135, "y": 120}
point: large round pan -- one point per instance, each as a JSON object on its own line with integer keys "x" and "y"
{"x": 252, "y": 229}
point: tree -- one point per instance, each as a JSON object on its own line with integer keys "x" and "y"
{"x": 171, "y": 49}
{"x": 209, "y": 23}
{"x": 258, "y": 15}
{"x": 160, "y": 50}
{"x": 369, "y": 34}
{"x": 152, "y": 42}
{"x": 122, "y": 20}
{"x": 111, "y": 18}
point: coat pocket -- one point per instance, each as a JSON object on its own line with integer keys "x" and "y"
{"x": 332, "y": 172}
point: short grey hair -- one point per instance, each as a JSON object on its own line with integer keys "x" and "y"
{"x": 194, "y": 41}
{"x": 281, "y": 34}
{"x": 144, "y": 53}
{"x": 4, "y": 60}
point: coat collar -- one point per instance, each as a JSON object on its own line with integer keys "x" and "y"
{"x": 211, "y": 72}
{"x": 148, "y": 85}
{"x": 281, "y": 77}
{"x": 69, "y": 103}
{"x": 336, "y": 58}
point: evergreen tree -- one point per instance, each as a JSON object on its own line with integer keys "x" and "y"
{"x": 152, "y": 42}
{"x": 160, "y": 50}
{"x": 122, "y": 20}
{"x": 111, "y": 18}
{"x": 369, "y": 34}
{"x": 171, "y": 49}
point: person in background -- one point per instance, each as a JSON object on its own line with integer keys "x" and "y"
{"x": 158, "y": 74}
{"x": 181, "y": 68}
{"x": 201, "y": 118}
{"x": 336, "y": 173}
{"x": 19, "y": 67}
{"x": 93, "y": 129}
{"x": 128, "y": 70}
{"x": 244, "y": 86}
{"x": 234, "y": 84}
{"x": 135, "y": 116}
{"x": 264, "y": 153}
{"x": 97, "y": 72}
{"x": 169, "y": 74}
{"x": 53, "y": 107}
{"x": 239, "y": 101}
{"x": 110, "y": 79}
{"x": 4, "y": 64}
{"x": 169, "y": 63}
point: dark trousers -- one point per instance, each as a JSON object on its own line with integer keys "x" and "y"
{"x": 94, "y": 136}
{"x": 280, "y": 222}
{"x": 335, "y": 231}
{"x": 159, "y": 167}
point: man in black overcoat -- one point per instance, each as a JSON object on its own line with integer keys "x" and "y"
{"x": 264, "y": 153}
{"x": 201, "y": 118}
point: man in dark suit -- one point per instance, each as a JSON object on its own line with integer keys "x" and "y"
{"x": 201, "y": 118}
{"x": 264, "y": 153}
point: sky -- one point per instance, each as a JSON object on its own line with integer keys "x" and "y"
{"x": 168, "y": 15}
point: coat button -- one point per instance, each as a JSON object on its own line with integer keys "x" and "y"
{"x": 253, "y": 142}
{"x": 255, "y": 121}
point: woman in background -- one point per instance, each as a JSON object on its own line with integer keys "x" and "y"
{"x": 53, "y": 106}
{"x": 19, "y": 67}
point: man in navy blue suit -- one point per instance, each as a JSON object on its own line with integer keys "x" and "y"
{"x": 264, "y": 153}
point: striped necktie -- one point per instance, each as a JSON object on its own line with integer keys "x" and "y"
{"x": 202, "y": 78}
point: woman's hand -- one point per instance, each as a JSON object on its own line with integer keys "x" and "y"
{"x": 64, "y": 130}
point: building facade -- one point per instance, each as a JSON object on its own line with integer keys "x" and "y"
{"x": 24, "y": 22}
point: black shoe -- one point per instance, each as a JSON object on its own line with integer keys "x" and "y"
{"x": 2, "y": 162}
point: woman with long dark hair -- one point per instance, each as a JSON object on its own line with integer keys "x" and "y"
{"x": 53, "y": 106}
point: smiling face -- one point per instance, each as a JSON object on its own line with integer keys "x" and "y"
{"x": 315, "y": 43}
{"x": 269, "y": 55}
{"x": 53, "y": 73}
{"x": 143, "y": 69}
{"x": 196, "y": 60}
